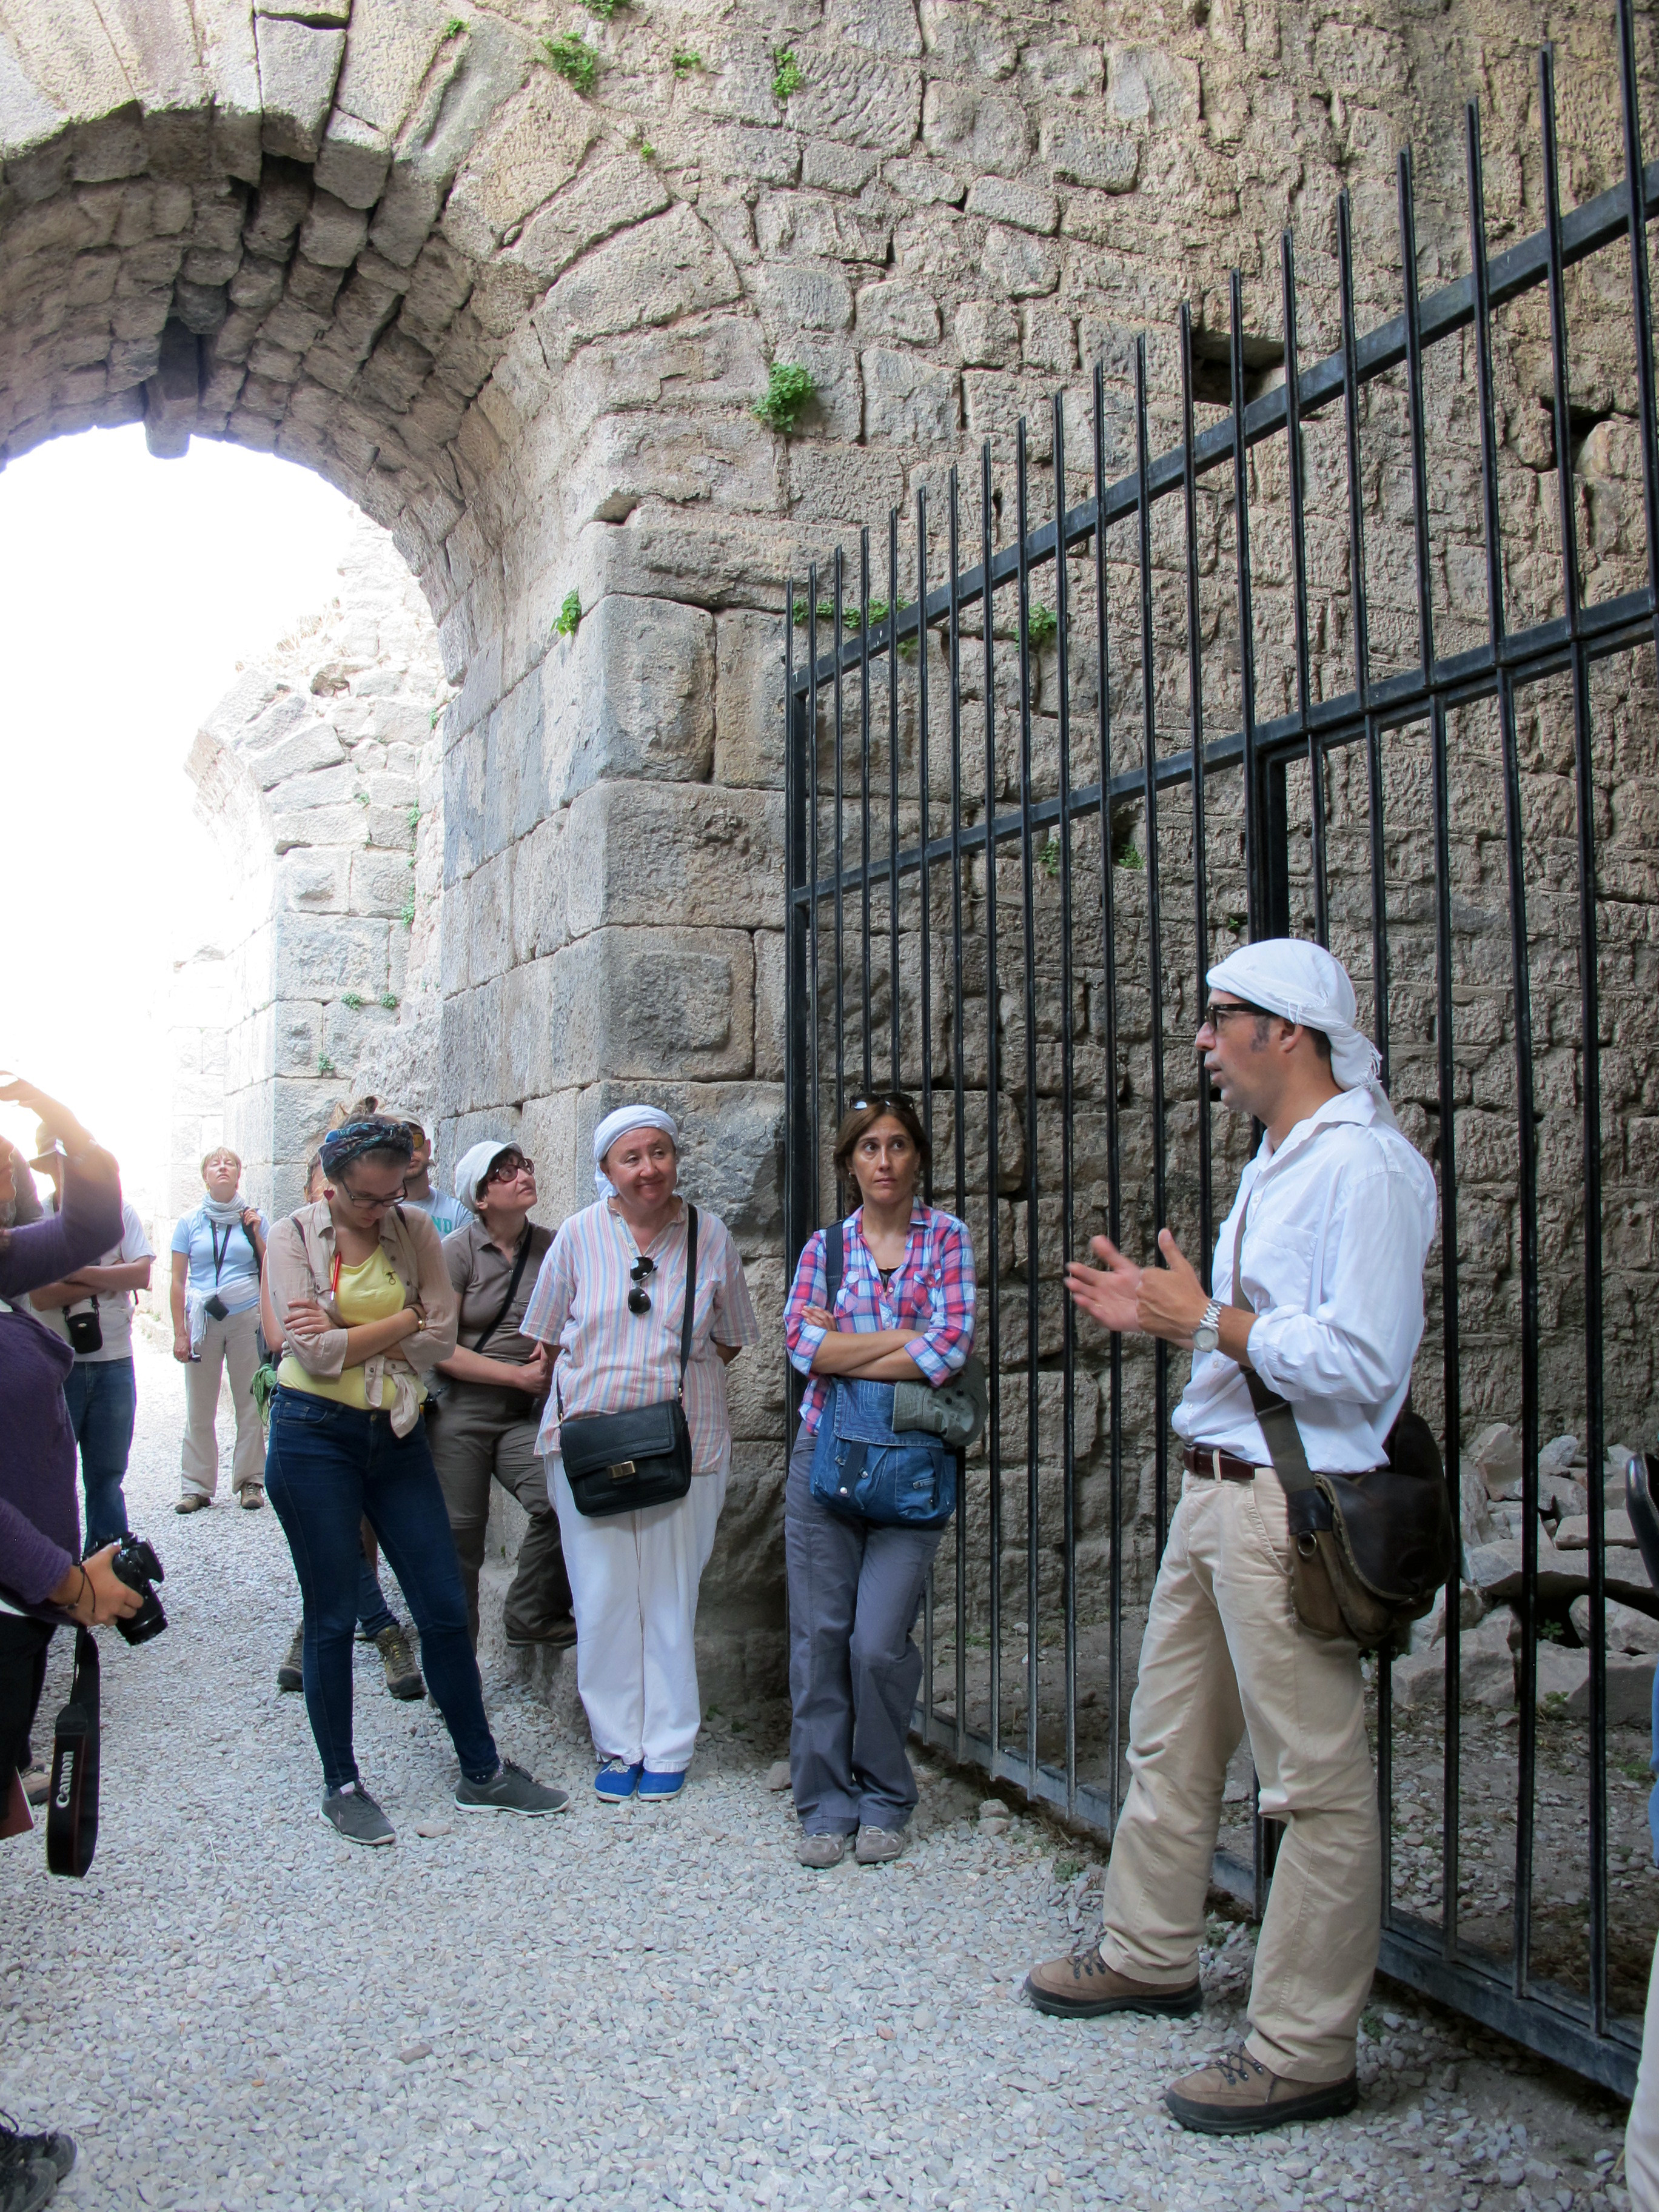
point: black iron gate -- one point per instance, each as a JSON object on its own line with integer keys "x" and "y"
{"x": 1415, "y": 584}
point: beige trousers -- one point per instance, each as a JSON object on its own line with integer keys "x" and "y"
{"x": 1642, "y": 2135}
{"x": 227, "y": 1344}
{"x": 1223, "y": 1654}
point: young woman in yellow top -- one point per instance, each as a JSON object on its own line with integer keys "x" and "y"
{"x": 363, "y": 1298}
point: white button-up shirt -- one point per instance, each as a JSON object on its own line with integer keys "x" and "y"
{"x": 1341, "y": 1217}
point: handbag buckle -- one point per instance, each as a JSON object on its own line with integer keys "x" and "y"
{"x": 619, "y": 1470}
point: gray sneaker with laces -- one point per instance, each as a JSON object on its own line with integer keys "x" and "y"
{"x": 354, "y": 1814}
{"x": 875, "y": 1846}
{"x": 27, "y": 2186}
{"x": 821, "y": 1851}
{"x": 510, "y": 1789}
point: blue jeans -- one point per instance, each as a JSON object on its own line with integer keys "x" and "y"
{"x": 101, "y": 1400}
{"x": 373, "y": 1613}
{"x": 326, "y": 1466}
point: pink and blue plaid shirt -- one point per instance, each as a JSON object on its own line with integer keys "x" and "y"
{"x": 931, "y": 1290}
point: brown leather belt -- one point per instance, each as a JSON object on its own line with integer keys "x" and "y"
{"x": 1207, "y": 1460}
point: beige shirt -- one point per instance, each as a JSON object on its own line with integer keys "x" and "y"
{"x": 480, "y": 1273}
{"x": 299, "y": 1264}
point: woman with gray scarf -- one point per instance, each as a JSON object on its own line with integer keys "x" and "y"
{"x": 217, "y": 1253}
{"x": 360, "y": 1292}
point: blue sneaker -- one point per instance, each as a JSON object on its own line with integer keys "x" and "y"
{"x": 617, "y": 1779}
{"x": 660, "y": 1785}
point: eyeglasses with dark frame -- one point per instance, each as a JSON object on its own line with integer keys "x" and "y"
{"x": 509, "y": 1170}
{"x": 1215, "y": 1015}
{"x": 638, "y": 1299}
{"x": 344, "y": 1189}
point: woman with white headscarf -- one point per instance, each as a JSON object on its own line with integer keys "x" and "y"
{"x": 610, "y": 1300}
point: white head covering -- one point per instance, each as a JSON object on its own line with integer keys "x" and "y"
{"x": 475, "y": 1164}
{"x": 1291, "y": 976}
{"x": 618, "y": 1125}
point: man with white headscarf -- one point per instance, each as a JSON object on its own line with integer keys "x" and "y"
{"x": 1331, "y": 1227}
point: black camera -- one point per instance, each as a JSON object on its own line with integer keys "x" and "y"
{"x": 134, "y": 1563}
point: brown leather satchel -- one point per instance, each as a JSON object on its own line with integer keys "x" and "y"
{"x": 1368, "y": 1552}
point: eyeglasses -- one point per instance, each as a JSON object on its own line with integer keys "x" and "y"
{"x": 510, "y": 1170}
{"x": 884, "y": 1098}
{"x": 638, "y": 1299}
{"x": 1215, "y": 1015}
{"x": 362, "y": 1198}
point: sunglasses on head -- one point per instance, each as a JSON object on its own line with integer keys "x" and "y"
{"x": 638, "y": 1299}
{"x": 886, "y": 1098}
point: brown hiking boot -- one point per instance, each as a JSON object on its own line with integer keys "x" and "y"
{"x": 403, "y": 1676}
{"x": 1082, "y": 1987}
{"x": 1237, "y": 2096}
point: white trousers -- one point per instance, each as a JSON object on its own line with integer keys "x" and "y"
{"x": 1642, "y": 2135}
{"x": 634, "y": 1580}
{"x": 227, "y": 1345}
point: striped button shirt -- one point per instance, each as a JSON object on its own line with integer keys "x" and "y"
{"x": 931, "y": 1290}
{"x": 612, "y": 1361}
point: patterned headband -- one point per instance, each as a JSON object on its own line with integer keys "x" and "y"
{"x": 353, "y": 1138}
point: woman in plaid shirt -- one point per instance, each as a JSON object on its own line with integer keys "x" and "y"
{"x": 905, "y": 1313}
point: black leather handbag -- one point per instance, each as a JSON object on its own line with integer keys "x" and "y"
{"x": 622, "y": 1463}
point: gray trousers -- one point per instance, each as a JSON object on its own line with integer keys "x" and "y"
{"x": 854, "y": 1668}
{"x": 485, "y": 1434}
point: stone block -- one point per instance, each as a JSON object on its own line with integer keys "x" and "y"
{"x": 756, "y": 1382}
{"x": 650, "y": 1003}
{"x": 771, "y": 1002}
{"x": 321, "y": 956}
{"x": 637, "y": 695}
{"x": 1629, "y": 1688}
{"x": 985, "y": 130}
{"x": 748, "y": 693}
{"x": 1108, "y": 161}
{"x": 929, "y": 183}
{"x": 488, "y": 915}
{"x": 610, "y": 196}
{"x": 1486, "y": 1675}
{"x": 540, "y": 894}
{"x": 912, "y": 402}
{"x": 900, "y": 314}
{"x": 1573, "y": 1533}
{"x": 332, "y": 232}
{"x": 316, "y": 787}
{"x": 287, "y": 741}
{"x": 353, "y": 160}
{"x": 987, "y": 334}
{"x": 672, "y": 266}
{"x": 298, "y": 1037}
{"x": 796, "y": 296}
{"x": 627, "y": 460}
{"x": 319, "y": 882}
{"x": 382, "y": 882}
{"x": 1627, "y": 1630}
{"x": 1023, "y": 266}
{"x": 827, "y": 166}
{"x": 848, "y": 485}
{"x": 1023, "y": 207}
{"x": 859, "y": 101}
{"x": 298, "y": 67}
{"x": 711, "y": 858}
{"x": 731, "y": 1147}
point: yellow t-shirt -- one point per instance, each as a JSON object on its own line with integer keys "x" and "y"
{"x": 368, "y": 1291}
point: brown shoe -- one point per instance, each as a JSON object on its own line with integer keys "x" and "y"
{"x": 557, "y": 1634}
{"x": 252, "y": 1497}
{"x": 192, "y": 1502}
{"x": 1237, "y": 2096}
{"x": 1084, "y": 1987}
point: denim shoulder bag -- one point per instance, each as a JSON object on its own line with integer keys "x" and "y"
{"x": 622, "y": 1463}
{"x": 863, "y": 1467}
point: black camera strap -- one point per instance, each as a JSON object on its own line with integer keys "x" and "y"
{"x": 72, "y": 1807}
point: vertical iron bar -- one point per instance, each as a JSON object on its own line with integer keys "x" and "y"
{"x": 1108, "y": 1042}
{"x": 958, "y": 1070}
{"x": 993, "y": 1078}
{"x": 1295, "y": 459}
{"x": 1594, "y": 1422}
{"x": 894, "y": 1035}
{"x": 1256, "y": 875}
{"x": 864, "y": 794}
{"x": 1526, "y": 1126}
{"x": 924, "y": 768}
{"x": 1641, "y": 301}
{"x": 840, "y": 862}
{"x": 1027, "y": 924}
{"x": 815, "y": 1094}
{"x": 1200, "y": 853}
{"x": 794, "y": 872}
{"x": 1068, "y": 1227}
{"x": 1154, "y": 925}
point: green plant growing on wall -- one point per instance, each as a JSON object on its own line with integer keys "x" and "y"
{"x": 789, "y": 390}
{"x": 325, "y": 1066}
{"x": 685, "y": 59}
{"x": 1042, "y": 625}
{"x": 389, "y": 1000}
{"x": 604, "y": 9}
{"x": 407, "y": 917}
{"x": 570, "y": 615}
{"x": 1125, "y": 851}
{"x": 789, "y": 77}
{"x": 352, "y": 1000}
{"x": 362, "y": 798}
{"x": 413, "y": 818}
{"x": 648, "y": 152}
{"x": 456, "y": 27}
{"x": 574, "y": 60}
{"x": 1048, "y": 858}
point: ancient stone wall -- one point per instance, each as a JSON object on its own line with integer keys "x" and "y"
{"x": 518, "y": 297}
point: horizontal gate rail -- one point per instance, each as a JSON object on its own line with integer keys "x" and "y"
{"x": 1044, "y": 794}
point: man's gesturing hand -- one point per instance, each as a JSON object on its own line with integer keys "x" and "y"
{"x": 1111, "y": 1294}
{"x": 1172, "y": 1300}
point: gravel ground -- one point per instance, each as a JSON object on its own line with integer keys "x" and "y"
{"x": 646, "y": 2004}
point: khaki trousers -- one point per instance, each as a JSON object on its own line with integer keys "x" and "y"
{"x": 227, "y": 1344}
{"x": 1641, "y": 2134}
{"x": 485, "y": 1433}
{"x": 1224, "y": 1655}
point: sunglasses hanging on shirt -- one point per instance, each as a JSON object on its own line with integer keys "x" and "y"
{"x": 638, "y": 1299}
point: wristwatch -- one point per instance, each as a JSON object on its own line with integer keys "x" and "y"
{"x": 1208, "y": 1335}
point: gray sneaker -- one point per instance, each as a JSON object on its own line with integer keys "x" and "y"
{"x": 354, "y": 1814}
{"x": 875, "y": 1846}
{"x": 821, "y": 1851}
{"x": 510, "y": 1789}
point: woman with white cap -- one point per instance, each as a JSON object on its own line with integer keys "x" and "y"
{"x": 612, "y": 1300}
{"x": 489, "y": 1412}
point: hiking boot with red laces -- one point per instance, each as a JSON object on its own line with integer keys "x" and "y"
{"x": 1081, "y": 1987}
{"x": 1237, "y": 2096}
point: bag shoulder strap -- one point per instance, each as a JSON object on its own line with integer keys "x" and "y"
{"x": 479, "y": 1342}
{"x": 1277, "y": 1423}
{"x": 835, "y": 1260}
{"x": 687, "y": 1319}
